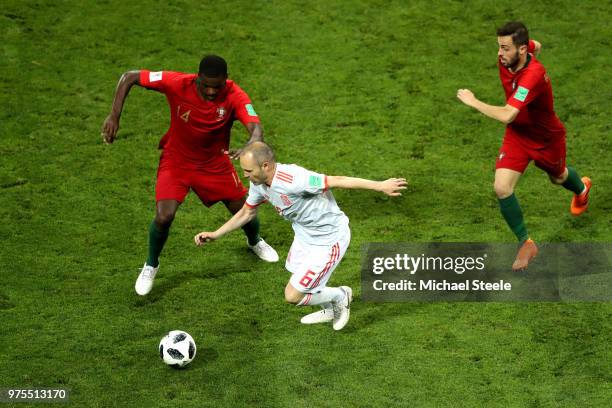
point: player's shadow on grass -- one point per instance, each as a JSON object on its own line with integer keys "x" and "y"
{"x": 364, "y": 314}
{"x": 205, "y": 356}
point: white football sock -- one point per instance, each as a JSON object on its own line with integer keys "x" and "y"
{"x": 324, "y": 297}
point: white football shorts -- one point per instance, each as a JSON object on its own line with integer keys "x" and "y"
{"x": 312, "y": 265}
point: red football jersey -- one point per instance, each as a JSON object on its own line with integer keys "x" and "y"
{"x": 530, "y": 91}
{"x": 199, "y": 129}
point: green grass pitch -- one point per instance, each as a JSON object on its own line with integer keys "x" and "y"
{"x": 361, "y": 88}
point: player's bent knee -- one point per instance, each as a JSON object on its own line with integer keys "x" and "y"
{"x": 503, "y": 190}
{"x": 292, "y": 300}
{"x": 557, "y": 180}
{"x": 292, "y": 296}
{"x": 164, "y": 219}
{"x": 235, "y": 205}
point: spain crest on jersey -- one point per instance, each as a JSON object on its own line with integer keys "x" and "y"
{"x": 286, "y": 200}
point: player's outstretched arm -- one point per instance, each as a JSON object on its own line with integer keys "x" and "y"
{"x": 391, "y": 187}
{"x": 239, "y": 219}
{"x": 111, "y": 123}
{"x": 505, "y": 114}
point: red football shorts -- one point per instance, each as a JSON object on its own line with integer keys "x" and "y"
{"x": 173, "y": 183}
{"x": 515, "y": 154}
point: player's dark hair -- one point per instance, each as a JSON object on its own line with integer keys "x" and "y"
{"x": 213, "y": 66}
{"x": 518, "y": 31}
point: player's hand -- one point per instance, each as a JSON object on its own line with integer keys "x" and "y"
{"x": 234, "y": 154}
{"x": 204, "y": 237}
{"x": 393, "y": 186}
{"x": 110, "y": 128}
{"x": 466, "y": 96}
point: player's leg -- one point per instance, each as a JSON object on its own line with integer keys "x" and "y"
{"x": 505, "y": 182}
{"x": 160, "y": 228}
{"x": 311, "y": 268}
{"x": 581, "y": 186}
{"x": 512, "y": 161}
{"x": 296, "y": 263}
{"x": 552, "y": 161}
{"x": 324, "y": 296}
{"x": 170, "y": 191}
{"x": 335, "y": 304}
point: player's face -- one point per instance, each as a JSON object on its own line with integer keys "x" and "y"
{"x": 508, "y": 52}
{"x": 210, "y": 87}
{"x": 252, "y": 170}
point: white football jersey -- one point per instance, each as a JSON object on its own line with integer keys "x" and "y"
{"x": 302, "y": 197}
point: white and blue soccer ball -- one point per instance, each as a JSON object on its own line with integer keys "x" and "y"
{"x": 177, "y": 348}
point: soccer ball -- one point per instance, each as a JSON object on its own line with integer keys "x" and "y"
{"x": 177, "y": 348}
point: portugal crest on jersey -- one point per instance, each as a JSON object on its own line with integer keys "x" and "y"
{"x": 221, "y": 113}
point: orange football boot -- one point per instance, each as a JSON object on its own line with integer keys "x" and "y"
{"x": 526, "y": 253}
{"x": 580, "y": 202}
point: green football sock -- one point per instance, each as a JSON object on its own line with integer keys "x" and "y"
{"x": 251, "y": 230}
{"x": 511, "y": 210}
{"x": 573, "y": 182}
{"x": 157, "y": 239}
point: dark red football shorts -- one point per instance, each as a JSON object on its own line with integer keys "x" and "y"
{"x": 515, "y": 154}
{"x": 173, "y": 183}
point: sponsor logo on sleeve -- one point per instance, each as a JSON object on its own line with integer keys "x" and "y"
{"x": 250, "y": 110}
{"x": 315, "y": 181}
{"x": 521, "y": 94}
{"x": 155, "y": 76}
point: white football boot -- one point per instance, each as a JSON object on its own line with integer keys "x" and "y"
{"x": 342, "y": 309}
{"x": 322, "y": 316}
{"x": 144, "y": 283}
{"x": 264, "y": 251}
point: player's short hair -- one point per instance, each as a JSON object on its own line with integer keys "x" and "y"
{"x": 213, "y": 66}
{"x": 518, "y": 31}
{"x": 261, "y": 152}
